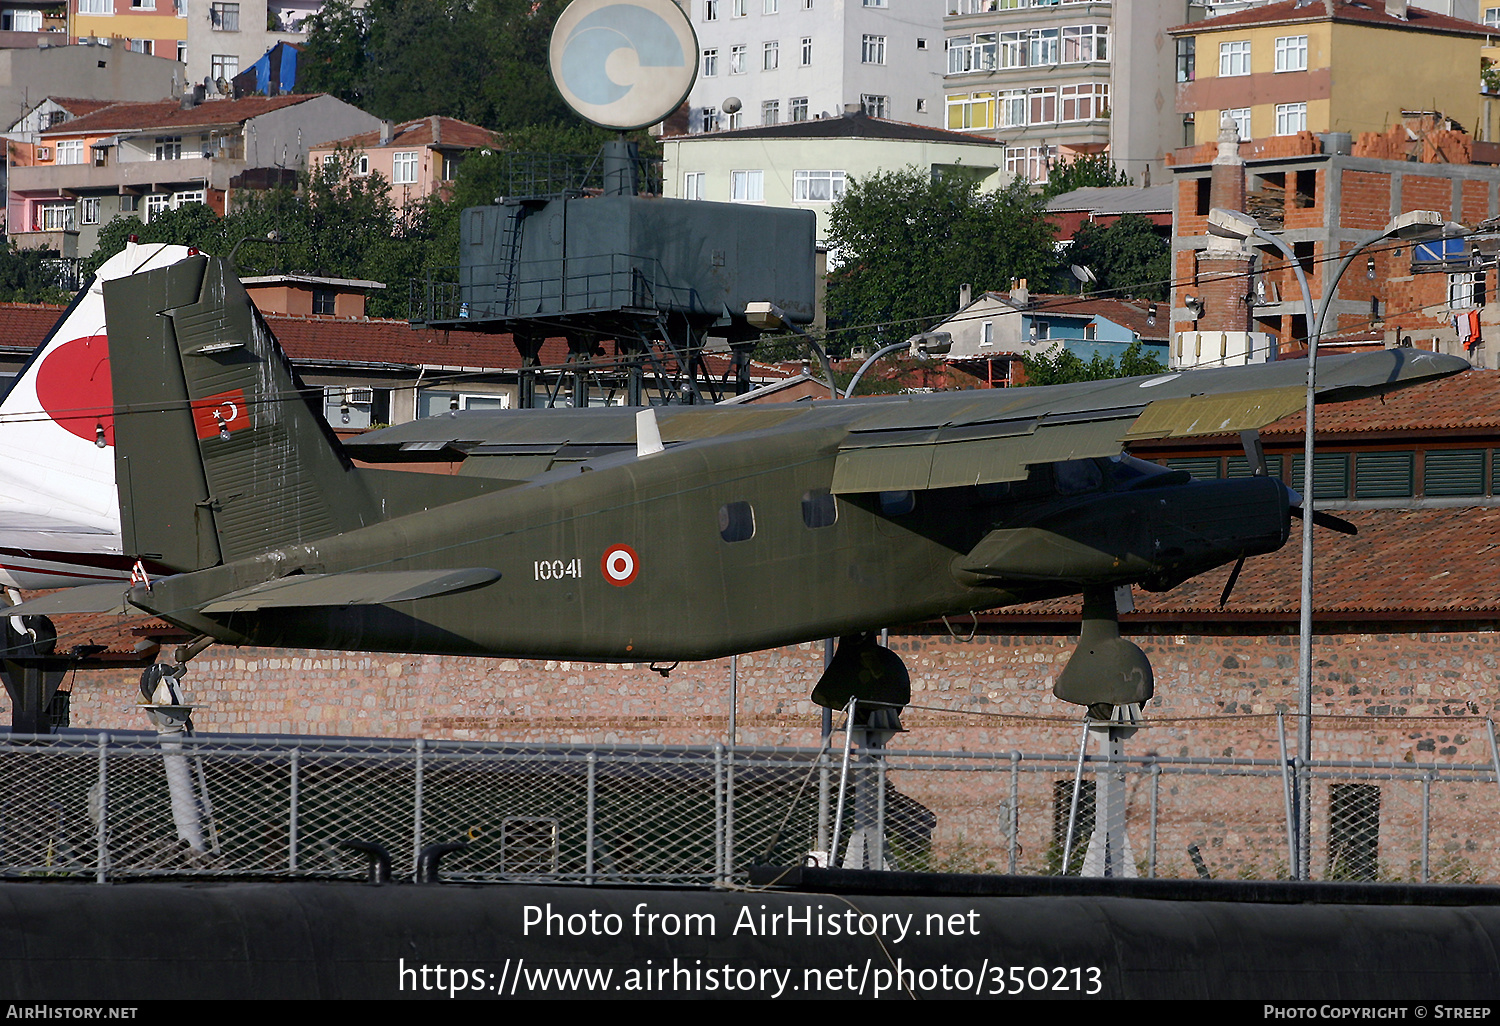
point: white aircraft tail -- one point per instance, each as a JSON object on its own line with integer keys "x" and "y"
{"x": 59, "y": 513}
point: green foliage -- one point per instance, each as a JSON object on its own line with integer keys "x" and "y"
{"x": 484, "y": 61}
{"x": 906, "y": 240}
{"x": 1085, "y": 171}
{"x": 30, "y": 276}
{"x": 1128, "y": 257}
{"x": 1058, "y": 366}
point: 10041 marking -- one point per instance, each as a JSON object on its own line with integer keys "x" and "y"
{"x": 557, "y": 569}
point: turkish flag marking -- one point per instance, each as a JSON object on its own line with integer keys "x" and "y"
{"x": 213, "y": 414}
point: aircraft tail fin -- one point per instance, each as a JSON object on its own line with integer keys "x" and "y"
{"x": 57, "y": 493}
{"x": 221, "y": 452}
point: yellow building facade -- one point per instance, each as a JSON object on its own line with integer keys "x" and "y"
{"x": 1283, "y": 69}
{"x": 157, "y": 27}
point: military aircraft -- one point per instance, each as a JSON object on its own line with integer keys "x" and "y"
{"x": 59, "y": 516}
{"x": 669, "y": 533}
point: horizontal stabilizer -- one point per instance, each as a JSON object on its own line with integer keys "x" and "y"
{"x": 351, "y": 589}
{"x": 91, "y": 598}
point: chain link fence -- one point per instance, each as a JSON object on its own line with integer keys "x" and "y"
{"x": 118, "y": 806}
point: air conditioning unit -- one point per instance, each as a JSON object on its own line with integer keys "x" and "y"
{"x": 44, "y": 153}
{"x": 361, "y": 396}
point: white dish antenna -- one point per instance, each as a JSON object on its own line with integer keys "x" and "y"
{"x": 623, "y": 64}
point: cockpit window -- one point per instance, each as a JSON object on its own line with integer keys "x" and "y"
{"x": 1075, "y": 477}
{"x": 1126, "y": 471}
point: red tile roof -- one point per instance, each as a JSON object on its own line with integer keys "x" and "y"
{"x": 1470, "y": 401}
{"x": 169, "y": 114}
{"x": 446, "y": 132}
{"x": 1366, "y": 12}
{"x": 79, "y": 106}
{"x": 24, "y": 325}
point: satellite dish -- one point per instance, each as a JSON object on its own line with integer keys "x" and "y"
{"x": 623, "y": 64}
{"x": 1083, "y": 274}
{"x": 732, "y": 105}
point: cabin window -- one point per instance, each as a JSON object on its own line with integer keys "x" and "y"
{"x": 736, "y": 522}
{"x": 819, "y": 508}
{"x": 1075, "y": 477}
{"x": 895, "y": 504}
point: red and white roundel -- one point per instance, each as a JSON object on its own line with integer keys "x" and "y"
{"x": 620, "y": 564}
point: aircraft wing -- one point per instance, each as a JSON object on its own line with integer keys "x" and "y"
{"x": 299, "y": 591}
{"x": 932, "y": 441}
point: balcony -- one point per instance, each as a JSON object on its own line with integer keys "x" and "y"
{"x": 133, "y": 176}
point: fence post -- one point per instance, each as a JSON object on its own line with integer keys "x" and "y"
{"x": 729, "y": 814}
{"x": 1293, "y": 867}
{"x": 1494, "y": 751}
{"x": 880, "y": 812}
{"x": 291, "y": 849}
{"x": 101, "y": 874}
{"x": 719, "y": 872}
{"x": 1015, "y": 810}
{"x": 591, "y": 809}
{"x": 1426, "y": 824}
{"x": 416, "y": 826}
{"x": 1155, "y": 805}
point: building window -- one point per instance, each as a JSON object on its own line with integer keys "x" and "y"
{"x": 1465, "y": 290}
{"x": 1043, "y": 106}
{"x": 95, "y": 6}
{"x": 770, "y": 6}
{"x": 806, "y": 50}
{"x": 710, "y": 10}
{"x": 55, "y": 217}
{"x": 1241, "y": 118}
{"x": 70, "y": 151}
{"x": 143, "y": 5}
{"x": 1291, "y": 118}
{"x": 694, "y": 184}
{"x": 156, "y": 204}
{"x": 450, "y": 166}
{"x": 921, "y": 44}
{"x": 987, "y": 333}
{"x": 141, "y": 46}
{"x": 404, "y": 168}
{"x": 1084, "y": 102}
{"x": 1034, "y": 163}
{"x": 807, "y": 5}
{"x": 972, "y": 53}
{"x": 21, "y": 21}
{"x": 710, "y": 119}
{"x": 1492, "y": 17}
{"x": 1234, "y": 58}
{"x": 182, "y": 50}
{"x": 747, "y": 186}
{"x": 1291, "y": 53}
{"x": 1012, "y": 104}
{"x": 1187, "y": 59}
{"x": 1083, "y": 44}
{"x": 734, "y": 120}
{"x": 770, "y": 56}
{"x": 710, "y": 62}
{"x": 224, "y": 66}
{"x": 875, "y": 3}
{"x": 737, "y": 60}
{"x": 971, "y": 112}
{"x": 921, "y": 105}
{"x": 324, "y": 302}
{"x": 872, "y": 50}
{"x": 88, "y": 210}
{"x": 737, "y": 8}
{"x": 1043, "y": 46}
{"x": 168, "y": 147}
{"x": 875, "y": 106}
{"x": 817, "y": 186}
{"x": 1014, "y": 48}
{"x": 770, "y": 112}
{"x": 799, "y": 108}
{"x": 225, "y": 17}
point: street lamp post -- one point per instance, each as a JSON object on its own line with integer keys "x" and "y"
{"x": 769, "y": 317}
{"x": 927, "y": 344}
{"x": 1234, "y": 224}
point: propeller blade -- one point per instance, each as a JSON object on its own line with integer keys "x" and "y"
{"x": 1327, "y": 520}
{"x": 1234, "y": 575}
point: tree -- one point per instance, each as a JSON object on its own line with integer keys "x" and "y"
{"x": 906, "y": 240}
{"x": 483, "y": 61}
{"x": 1084, "y": 171}
{"x": 1059, "y": 366}
{"x": 1128, "y": 257}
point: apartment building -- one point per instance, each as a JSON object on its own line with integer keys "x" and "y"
{"x": 1055, "y": 78}
{"x": 417, "y": 158}
{"x": 225, "y": 38}
{"x": 765, "y": 62}
{"x": 155, "y": 27}
{"x": 1340, "y": 66}
{"x": 144, "y": 158}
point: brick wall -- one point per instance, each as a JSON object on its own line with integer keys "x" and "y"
{"x": 1396, "y": 696}
{"x": 1366, "y": 199}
